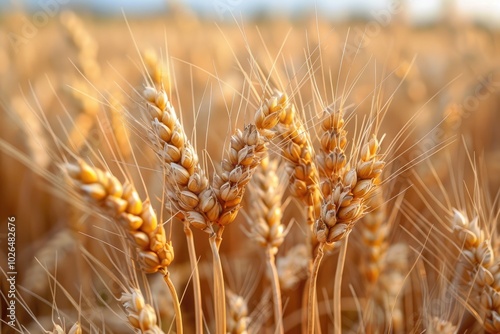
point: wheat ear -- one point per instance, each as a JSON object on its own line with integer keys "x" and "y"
{"x": 157, "y": 70}
{"x": 440, "y": 326}
{"x": 140, "y": 315}
{"x": 375, "y": 232}
{"x": 299, "y": 155}
{"x": 237, "y": 317}
{"x": 481, "y": 268}
{"x": 85, "y": 43}
{"x": 75, "y": 329}
{"x": 266, "y": 228}
{"x": 190, "y": 196}
{"x": 118, "y": 124}
{"x": 188, "y": 189}
{"x": 386, "y": 294}
{"x": 137, "y": 218}
{"x": 87, "y": 60}
{"x": 293, "y": 266}
{"x": 345, "y": 190}
{"x": 59, "y": 246}
{"x": 247, "y": 149}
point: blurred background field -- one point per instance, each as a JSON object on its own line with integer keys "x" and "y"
{"x": 79, "y": 67}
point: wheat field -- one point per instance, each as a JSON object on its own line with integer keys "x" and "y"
{"x": 173, "y": 174}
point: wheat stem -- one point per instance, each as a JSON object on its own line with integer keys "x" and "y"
{"x": 337, "y": 288}
{"x": 311, "y": 305}
{"x": 218, "y": 238}
{"x": 196, "y": 279}
{"x": 219, "y": 294}
{"x": 304, "y": 302}
{"x": 175, "y": 301}
{"x": 278, "y": 311}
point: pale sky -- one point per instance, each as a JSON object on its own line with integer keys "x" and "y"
{"x": 418, "y": 9}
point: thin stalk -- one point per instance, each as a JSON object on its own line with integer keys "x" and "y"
{"x": 311, "y": 305}
{"x": 198, "y": 311}
{"x": 337, "y": 288}
{"x": 278, "y": 311}
{"x": 175, "y": 300}
{"x": 305, "y": 296}
{"x": 219, "y": 292}
{"x": 219, "y": 236}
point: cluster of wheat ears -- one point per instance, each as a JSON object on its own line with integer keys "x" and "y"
{"x": 332, "y": 208}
